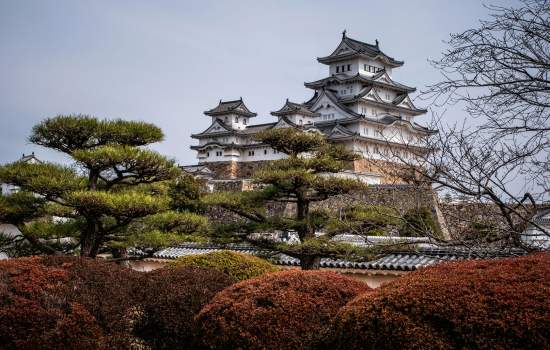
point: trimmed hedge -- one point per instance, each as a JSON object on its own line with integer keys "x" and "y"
{"x": 171, "y": 298}
{"x": 237, "y": 265}
{"x": 106, "y": 290}
{"x": 284, "y": 310}
{"x": 35, "y": 312}
{"x": 83, "y": 303}
{"x": 498, "y": 304}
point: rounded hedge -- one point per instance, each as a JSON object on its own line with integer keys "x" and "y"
{"x": 171, "y": 298}
{"x": 283, "y": 310}
{"x": 35, "y": 312}
{"x": 237, "y": 265}
{"x": 491, "y": 304}
{"x": 106, "y": 290}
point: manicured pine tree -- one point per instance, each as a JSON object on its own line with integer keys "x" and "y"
{"x": 306, "y": 176}
{"x": 114, "y": 195}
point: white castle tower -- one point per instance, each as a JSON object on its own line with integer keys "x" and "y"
{"x": 358, "y": 105}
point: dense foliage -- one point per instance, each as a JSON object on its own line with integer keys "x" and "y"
{"x": 105, "y": 198}
{"x": 419, "y": 222}
{"x": 284, "y": 310}
{"x": 237, "y": 265}
{"x": 65, "y": 303}
{"x": 467, "y": 305}
{"x": 171, "y": 297}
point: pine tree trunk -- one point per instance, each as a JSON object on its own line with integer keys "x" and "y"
{"x": 307, "y": 262}
{"x": 310, "y": 262}
{"x": 89, "y": 245}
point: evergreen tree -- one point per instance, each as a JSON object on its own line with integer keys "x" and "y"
{"x": 115, "y": 195}
{"x": 306, "y": 176}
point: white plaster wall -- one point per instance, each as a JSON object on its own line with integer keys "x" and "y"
{"x": 374, "y": 63}
{"x": 354, "y": 69}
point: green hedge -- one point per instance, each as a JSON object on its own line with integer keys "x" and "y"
{"x": 237, "y": 265}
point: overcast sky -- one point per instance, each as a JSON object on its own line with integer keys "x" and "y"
{"x": 166, "y": 62}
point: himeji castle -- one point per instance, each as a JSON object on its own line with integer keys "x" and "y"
{"x": 358, "y": 104}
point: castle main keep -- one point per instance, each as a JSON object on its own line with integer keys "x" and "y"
{"x": 358, "y": 104}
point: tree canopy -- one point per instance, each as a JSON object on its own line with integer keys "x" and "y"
{"x": 115, "y": 194}
{"x": 309, "y": 174}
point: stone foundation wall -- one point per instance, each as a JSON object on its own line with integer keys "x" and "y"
{"x": 234, "y": 170}
{"x": 400, "y": 197}
{"x": 392, "y": 173}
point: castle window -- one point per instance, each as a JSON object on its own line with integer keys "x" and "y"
{"x": 244, "y": 121}
{"x": 237, "y": 120}
{"x": 300, "y": 122}
{"x": 337, "y": 69}
{"x": 208, "y": 154}
{"x": 250, "y": 153}
{"x": 265, "y": 151}
{"x": 349, "y": 67}
{"x": 219, "y": 153}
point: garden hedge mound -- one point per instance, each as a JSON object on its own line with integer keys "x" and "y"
{"x": 237, "y": 265}
{"x": 171, "y": 298}
{"x": 283, "y": 310}
{"x": 491, "y": 304}
{"x": 82, "y": 303}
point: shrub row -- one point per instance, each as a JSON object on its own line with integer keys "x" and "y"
{"x": 70, "y": 303}
{"x": 64, "y": 303}
{"x": 285, "y": 310}
{"x": 499, "y": 304}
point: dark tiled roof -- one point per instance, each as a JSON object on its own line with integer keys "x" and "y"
{"x": 358, "y": 48}
{"x": 196, "y": 169}
{"x": 398, "y": 261}
{"x": 294, "y": 108}
{"x": 252, "y": 129}
{"x": 371, "y": 80}
{"x": 226, "y": 107}
{"x": 29, "y": 158}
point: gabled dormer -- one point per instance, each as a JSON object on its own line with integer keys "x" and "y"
{"x": 297, "y": 113}
{"x": 233, "y": 113}
{"x": 339, "y": 132}
{"x": 327, "y": 105}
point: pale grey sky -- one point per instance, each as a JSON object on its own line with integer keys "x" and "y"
{"x": 166, "y": 62}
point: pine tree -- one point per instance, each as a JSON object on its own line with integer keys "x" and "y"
{"x": 115, "y": 194}
{"x": 306, "y": 176}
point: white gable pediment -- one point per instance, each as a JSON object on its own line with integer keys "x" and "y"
{"x": 216, "y": 127}
{"x": 324, "y": 105}
{"x": 282, "y": 123}
{"x": 385, "y": 78}
{"x": 373, "y": 96}
{"x": 339, "y": 131}
{"x": 343, "y": 49}
{"x": 407, "y": 103}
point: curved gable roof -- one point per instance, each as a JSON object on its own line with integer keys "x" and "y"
{"x": 350, "y": 48}
{"x": 231, "y": 107}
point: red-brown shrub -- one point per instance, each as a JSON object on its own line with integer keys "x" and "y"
{"x": 496, "y": 304}
{"x": 172, "y": 296}
{"x": 35, "y": 313}
{"x": 284, "y": 310}
{"x": 106, "y": 290}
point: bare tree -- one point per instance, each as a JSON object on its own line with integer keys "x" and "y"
{"x": 499, "y": 73}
